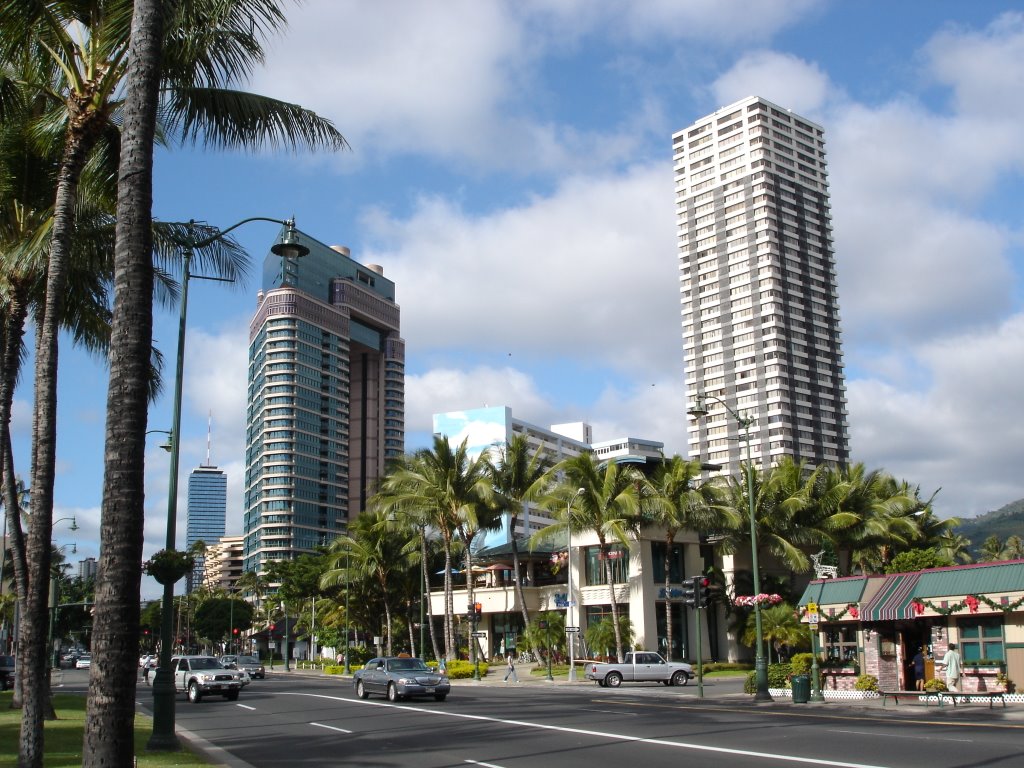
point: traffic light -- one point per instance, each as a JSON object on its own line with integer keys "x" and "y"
{"x": 689, "y": 592}
{"x": 478, "y": 611}
{"x": 235, "y": 631}
{"x": 702, "y": 585}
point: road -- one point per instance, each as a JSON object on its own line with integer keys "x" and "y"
{"x": 315, "y": 721}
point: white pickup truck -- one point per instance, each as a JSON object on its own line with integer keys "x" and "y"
{"x": 639, "y": 667}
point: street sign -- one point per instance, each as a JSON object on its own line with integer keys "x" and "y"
{"x": 814, "y": 627}
{"x": 812, "y": 618}
{"x": 571, "y": 630}
{"x": 812, "y": 607}
{"x": 479, "y": 634}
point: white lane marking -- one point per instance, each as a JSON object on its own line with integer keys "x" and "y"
{"x": 246, "y": 706}
{"x": 330, "y": 727}
{"x": 903, "y": 736}
{"x": 594, "y": 734}
{"x": 485, "y": 765}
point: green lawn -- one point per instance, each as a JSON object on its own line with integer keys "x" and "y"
{"x": 63, "y": 737}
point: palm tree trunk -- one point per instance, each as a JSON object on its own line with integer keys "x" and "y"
{"x": 520, "y": 597}
{"x": 449, "y": 600}
{"x": 669, "y": 538}
{"x": 426, "y": 592}
{"x": 110, "y": 713}
{"x": 615, "y": 606}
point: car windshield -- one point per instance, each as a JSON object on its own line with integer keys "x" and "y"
{"x": 408, "y": 665}
{"x": 247, "y": 660}
{"x": 205, "y": 664}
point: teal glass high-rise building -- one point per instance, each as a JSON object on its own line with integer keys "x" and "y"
{"x": 326, "y": 399}
{"x": 207, "y": 511}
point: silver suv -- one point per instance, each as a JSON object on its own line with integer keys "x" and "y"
{"x": 201, "y": 675}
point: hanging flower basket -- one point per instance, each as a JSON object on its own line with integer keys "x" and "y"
{"x": 168, "y": 565}
{"x": 763, "y": 599}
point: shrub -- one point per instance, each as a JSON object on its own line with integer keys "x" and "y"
{"x": 462, "y": 670}
{"x": 778, "y": 677}
{"x": 866, "y": 683}
{"x": 801, "y": 663}
{"x": 934, "y": 685}
{"x": 1007, "y": 683}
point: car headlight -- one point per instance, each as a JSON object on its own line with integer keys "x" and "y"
{"x": 405, "y": 680}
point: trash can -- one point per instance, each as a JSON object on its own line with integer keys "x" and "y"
{"x": 801, "y": 689}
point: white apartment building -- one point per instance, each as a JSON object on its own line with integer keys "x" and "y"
{"x": 758, "y": 287}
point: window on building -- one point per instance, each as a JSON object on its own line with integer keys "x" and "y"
{"x": 676, "y": 567}
{"x": 841, "y": 643}
{"x": 618, "y": 555}
{"x": 981, "y": 639}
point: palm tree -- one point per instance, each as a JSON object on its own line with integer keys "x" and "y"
{"x": 519, "y": 477}
{"x": 372, "y": 550}
{"x": 609, "y": 506}
{"x": 682, "y": 502}
{"x": 991, "y": 549}
{"x": 1013, "y": 549}
{"x": 443, "y": 488}
{"x": 779, "y": 624}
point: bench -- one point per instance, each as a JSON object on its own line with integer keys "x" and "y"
{"x": 966, "y": 697}
{"x": 926, "y": 695}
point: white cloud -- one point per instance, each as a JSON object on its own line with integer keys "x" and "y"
{"x": 781, "y": 78}
{"x": 588, "y": 273}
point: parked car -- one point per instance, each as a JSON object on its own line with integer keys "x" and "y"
{"x": 201, "y": 675}
{"x": 84, "y": 661}
{"x": 400, "y": 677}
{"x": 248, "y": 664}
{"x": 640, "y": 666}
{"x": 6, "y": 672}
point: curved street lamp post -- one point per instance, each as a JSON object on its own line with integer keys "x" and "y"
{"x": 163, "y": 737}
{"x": 745, "y": 423}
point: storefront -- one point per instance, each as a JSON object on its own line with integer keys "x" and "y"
{"x": 876, "y": 624}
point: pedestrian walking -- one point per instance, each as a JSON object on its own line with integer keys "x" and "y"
{"x": 953, "y": 666}
{"x": 511, "y": 669}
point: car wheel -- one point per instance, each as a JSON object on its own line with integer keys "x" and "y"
{"x": 194, "y": 694}
{"x": 361, "y": 690}
{"x": 600, "y": 683}
{"x": 680, "y": 678}
{"x": 613, "y": 680}
{"x": 231, "y": 695}
{"x": 440, "y": 696}
{"x": 392, "y": 692}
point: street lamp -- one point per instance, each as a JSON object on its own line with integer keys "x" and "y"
{"x": 163, "y": 737}
{"x": 568, "y": 564}
{"x": 745, "y": 423}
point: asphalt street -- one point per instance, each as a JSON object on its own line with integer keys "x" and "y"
{"x": 314, "y": 720}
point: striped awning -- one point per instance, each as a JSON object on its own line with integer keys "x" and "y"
{"x": 892, "y": 600}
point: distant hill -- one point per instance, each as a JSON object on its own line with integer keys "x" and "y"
{"x": 1003, "y": 522}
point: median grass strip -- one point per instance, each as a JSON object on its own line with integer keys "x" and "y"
{"x": 62, "y": 745}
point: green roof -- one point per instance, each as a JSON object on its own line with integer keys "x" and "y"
{"x": 834, "y": 591}
{"x": 980, "y": 579}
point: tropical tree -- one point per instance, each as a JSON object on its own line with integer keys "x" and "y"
{"x": 1013, "y": 549}
{"x": 441, "y": 488}
{"x": 608, "y": 506}
{"x": 372, "y": 550}
{"x": 81, "y": 52}
{"x": 991, "y": 549}
{"x": 603, "y": 635}
{"x": 681, "y": 501}
{"x": 779, "y": 626}
{"x": 519, "y": 477}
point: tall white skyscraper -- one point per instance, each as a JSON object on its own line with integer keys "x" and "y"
{"x": 758, "y": 286}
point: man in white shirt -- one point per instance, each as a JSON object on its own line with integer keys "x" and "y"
{"x": 953, "y": 666}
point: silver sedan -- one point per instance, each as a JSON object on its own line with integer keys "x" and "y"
{"x": 400, "y": 677}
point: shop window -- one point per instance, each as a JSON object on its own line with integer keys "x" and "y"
{"x": 595, "y": 561}
{"x": 981, "y": 639}
{"x": 841, "y": 643}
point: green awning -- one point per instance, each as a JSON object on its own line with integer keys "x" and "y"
{"x": 834, "y": 592}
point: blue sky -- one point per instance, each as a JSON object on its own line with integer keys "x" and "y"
{"x": 511, "y": 170}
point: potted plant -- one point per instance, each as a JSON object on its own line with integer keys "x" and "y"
{"x": 168, "y": 565}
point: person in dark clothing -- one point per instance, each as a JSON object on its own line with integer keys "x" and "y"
{"x": 919, "y": 669}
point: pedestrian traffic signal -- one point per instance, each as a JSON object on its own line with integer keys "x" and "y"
{"x": 478, "y": 611}
{"x": 702, "y": 586}
{"x": 689, "y": 594}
